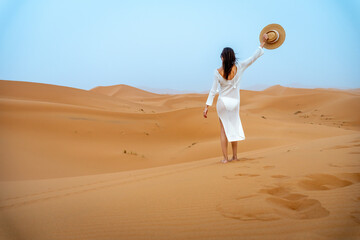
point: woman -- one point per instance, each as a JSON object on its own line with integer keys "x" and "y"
{"x": 228, "y": 104}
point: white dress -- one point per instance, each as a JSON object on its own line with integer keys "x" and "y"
{"x": 228, "y": 104}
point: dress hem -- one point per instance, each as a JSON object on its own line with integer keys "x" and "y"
{"x": 242, "y": 139}
{"x": 236, "y": 140}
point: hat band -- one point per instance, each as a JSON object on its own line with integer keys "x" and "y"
{"x": 277, "y": 36}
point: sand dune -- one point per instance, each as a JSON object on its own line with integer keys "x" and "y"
{"x": 119, "y": 162}
{"x": 123, "y": 91}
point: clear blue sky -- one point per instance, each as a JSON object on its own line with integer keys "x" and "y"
{"x": 177, "y": 44}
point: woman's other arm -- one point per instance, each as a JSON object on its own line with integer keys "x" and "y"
{"x": 212, "y": 94}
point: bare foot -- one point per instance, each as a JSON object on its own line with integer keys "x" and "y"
{"x": 233, "y": 158}
{"x": 224, "y": 161}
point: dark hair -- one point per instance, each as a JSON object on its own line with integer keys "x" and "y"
{"x": 229, "y": 60}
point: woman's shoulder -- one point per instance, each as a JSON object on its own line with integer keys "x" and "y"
{"x": 219, "y": 70}
{"x": 240, "y": 65}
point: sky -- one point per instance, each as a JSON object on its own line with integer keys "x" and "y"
{"x": 177, "y": 44}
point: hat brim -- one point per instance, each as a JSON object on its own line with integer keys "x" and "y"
{"x": 281, "y": 32}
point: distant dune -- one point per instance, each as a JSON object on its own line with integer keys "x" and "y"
{"x": 119, "y": 162}
{"x": 123, "y": 91}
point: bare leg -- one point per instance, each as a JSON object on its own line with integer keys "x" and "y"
{"x": 224, "y": 142}
{"x": 234, "y": 149}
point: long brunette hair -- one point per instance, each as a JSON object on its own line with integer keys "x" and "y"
{"x": 229, "y": 60}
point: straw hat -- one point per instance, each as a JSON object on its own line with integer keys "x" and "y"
{"x": 276, "y": 34}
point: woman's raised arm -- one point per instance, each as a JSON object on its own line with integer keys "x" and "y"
{"x": 247, "y": 62}
{"x": 258, "y": 53}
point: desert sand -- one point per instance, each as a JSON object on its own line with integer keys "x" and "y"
{"x": 118, "y": 162}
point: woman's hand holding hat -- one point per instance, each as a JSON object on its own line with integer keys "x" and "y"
{"x": 265, "y": 38}
{"x": 275, "y": 36}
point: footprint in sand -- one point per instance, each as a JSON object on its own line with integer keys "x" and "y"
{"x": 247, "y": 208}
{"x": 322, "y": 182}
{"x": 247, "y": 160}
{"x": 341, "y": 166}
{"x": 237, "y": 176}
{"x": 303, "y": 208}
{"x": 247, "y": 175}
{"x": 244, "y": 167}
{"x": 269, "y": 167}
{"x": 294, "y": 205}
{"x": 250, "y": 160}
{"x": 273, "y": 203}
{"x": 279, "y": 176}
{"x": 354, "y": 177}
{"x": 342, "y": 146}
{"x": 355, "y": 215}
{"x": 354, "y": 152}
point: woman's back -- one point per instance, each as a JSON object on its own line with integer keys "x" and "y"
{"x": 232, "y": 73}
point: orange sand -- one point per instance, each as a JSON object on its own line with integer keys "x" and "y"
{"x": 118, "y": 162}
